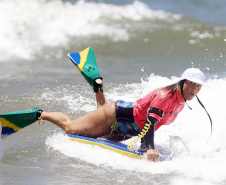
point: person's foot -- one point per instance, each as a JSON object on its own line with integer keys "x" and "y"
{"x": 98, "y": 84}
{"x": 38, "y": 113}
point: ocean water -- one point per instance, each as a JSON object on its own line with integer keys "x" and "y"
{"x": 139, "y": 46}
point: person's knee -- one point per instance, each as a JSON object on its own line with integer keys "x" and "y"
{"x": 67, "y": 130}
{"x": 65, "y": 123}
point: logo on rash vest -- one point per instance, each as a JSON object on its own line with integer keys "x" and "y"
{"x": 173, "y": 114}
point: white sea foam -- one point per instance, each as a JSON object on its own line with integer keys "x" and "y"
{"x": 205, "y": 159}
{"x": 26, "y": 27}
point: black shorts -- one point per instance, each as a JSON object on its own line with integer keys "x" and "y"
{"x": 124, "y": 115}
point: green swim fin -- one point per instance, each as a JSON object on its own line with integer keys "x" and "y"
{"x": 86, "y": 63}
{"x": 15, "y": 121}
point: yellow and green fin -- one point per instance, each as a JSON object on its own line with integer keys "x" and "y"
{"x": 86, "y": 63}
{"x": 15, "y": 121}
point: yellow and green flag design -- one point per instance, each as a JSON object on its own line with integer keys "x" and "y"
{"x": 15, "y": 121}
{"x": 86, "y": 63}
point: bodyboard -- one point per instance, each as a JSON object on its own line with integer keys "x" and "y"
{"x": 86, "y": 63}
{"x": 15, "y": 121}
{"x": 115, "y": 146}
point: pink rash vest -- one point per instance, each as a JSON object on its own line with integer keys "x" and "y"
{"x": 162, "y": 99}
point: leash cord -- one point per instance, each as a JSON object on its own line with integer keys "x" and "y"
{"x": 131, "y": 145}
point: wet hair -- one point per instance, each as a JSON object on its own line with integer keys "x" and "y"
{"x": 173, "y": 87}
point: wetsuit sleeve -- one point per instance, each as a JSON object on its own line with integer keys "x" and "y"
{"x": 149, "y": 136}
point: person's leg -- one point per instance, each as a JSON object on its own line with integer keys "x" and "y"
{"x": 100, "y": 99}
{"x": 95, "y": 124}
{"x": 100, "y": 95}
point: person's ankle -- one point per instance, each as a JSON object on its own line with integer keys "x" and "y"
{"x": 38, "y": 114}
{"x": 98, "y": 84}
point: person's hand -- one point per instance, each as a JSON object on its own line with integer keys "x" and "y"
{"x": 152, "y": 155}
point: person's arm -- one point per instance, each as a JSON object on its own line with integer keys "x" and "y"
{"x": 149, "y": 136}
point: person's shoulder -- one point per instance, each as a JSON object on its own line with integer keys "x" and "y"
{"x": 162, "y": 92}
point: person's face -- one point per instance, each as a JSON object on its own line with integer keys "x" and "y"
{"x": 190, "y": 89}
